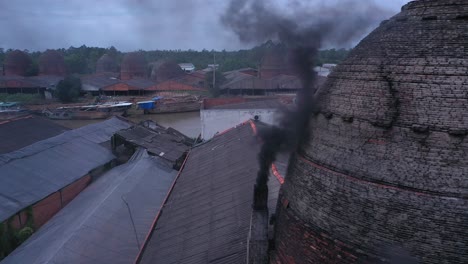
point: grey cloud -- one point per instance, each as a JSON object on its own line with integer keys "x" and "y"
{"x": 125, "y": 24}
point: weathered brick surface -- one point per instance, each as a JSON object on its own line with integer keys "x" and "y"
{"x": 46, "y": 208}
{"x": 362, "y": 219}
{"x": 433, "y": 162}
{"x": 386, "y": 164}
{"x": 408, "y": 71}
{"x": 71, "y": 191}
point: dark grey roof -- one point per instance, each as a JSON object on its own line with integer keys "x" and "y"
{"x": 254, "y": 104}
{"x": 207, "y": 216}
{"x": 97, "y": 82}
{"x": 167, "y": 144}
{"x": 43, "y": 81}
{"x": 96, "y": 226}
{"x": 48, "y": 81}
{"x": 246, "y": 81}
{"x": 21, "y": 132}
{"x": 32, "y": 173}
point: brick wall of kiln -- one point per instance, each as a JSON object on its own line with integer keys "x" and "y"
{"x": 386, "y": 162}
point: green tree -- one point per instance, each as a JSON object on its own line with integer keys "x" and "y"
{"x": 68, "y": 90}
{"x": 214, "y": 87}
{"x": 2, "y": 57}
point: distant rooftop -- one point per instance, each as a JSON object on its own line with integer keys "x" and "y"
{"x": 264, "y": 104}
{"x": 24, "y": 131}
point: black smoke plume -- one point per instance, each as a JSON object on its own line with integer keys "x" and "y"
{"x": 303, "y": 29}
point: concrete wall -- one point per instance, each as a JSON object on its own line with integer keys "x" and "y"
{"x": 218, "y": 120}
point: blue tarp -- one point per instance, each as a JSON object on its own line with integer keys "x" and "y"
{"x": 147, "y": 105}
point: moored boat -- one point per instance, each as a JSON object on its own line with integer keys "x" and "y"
{"x": 176, "y": 104}
{"x": 11, "y": 110}
{"x": 98, "y": 111}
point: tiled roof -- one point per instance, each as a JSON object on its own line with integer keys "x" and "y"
{"x": 206, "y": 218}
{"x": 173, "y": 85}
{"x": 140, "y": 84}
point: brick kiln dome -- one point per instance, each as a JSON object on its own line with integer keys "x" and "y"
{"x": 51, "y": 62}
{"x": 106, "y": 64}
{"x": 165, "y": 70}
{"x": 386, "y": 164}
{"x": 133, "y": 65}
{"x": 17, "y": 63}
{"x": 274, "y": 63}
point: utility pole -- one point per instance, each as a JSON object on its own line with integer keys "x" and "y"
{"x": 214, "y": 70}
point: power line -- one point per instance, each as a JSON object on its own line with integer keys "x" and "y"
{"x": 133, "y": 222}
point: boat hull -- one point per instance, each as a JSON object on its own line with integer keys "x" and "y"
{"x": 79, "y": 115}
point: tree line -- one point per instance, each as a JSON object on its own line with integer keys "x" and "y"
{"x": 82, "y": 60}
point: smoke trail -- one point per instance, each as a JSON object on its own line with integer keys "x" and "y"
{"x": 303, "y": 30}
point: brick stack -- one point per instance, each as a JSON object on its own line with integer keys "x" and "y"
{"x": 106, "y": 64}
{"x": 386, "y": 167}
{"x": 274, "y": 63}
{"x": 52, "y": 62}
{"x": 17, "y": 63}
{"x": 133, "y": 66}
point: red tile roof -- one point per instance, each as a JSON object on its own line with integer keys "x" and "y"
{"x": 172, "y": 85}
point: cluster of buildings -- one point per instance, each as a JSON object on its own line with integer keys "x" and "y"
{"x": 274, "y": 76}
{"x": 131, "y": 78}
{"x": 120, "y": 192}
{"x": 382, "y": 177}
{"x": 134, "y": 76}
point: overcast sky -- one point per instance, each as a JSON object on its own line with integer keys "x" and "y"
{"x": 127, "y": 24}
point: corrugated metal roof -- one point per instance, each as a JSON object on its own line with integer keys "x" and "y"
{"x": 167, "y": 144}
{"x": 32, "y": 173}
{"x": 98, "y": 82}
{"x": 207, "y": 216}
{"x": 21, "y": 132}
{"x": 96, "y": 226}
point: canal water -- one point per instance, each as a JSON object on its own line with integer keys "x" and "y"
{"x": 187, "y": 123}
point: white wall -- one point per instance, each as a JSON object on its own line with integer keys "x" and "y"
{"x": 219, "y": 120}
